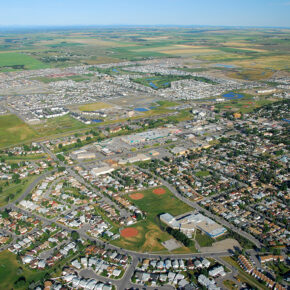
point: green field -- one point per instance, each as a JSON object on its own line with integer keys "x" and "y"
{"x": 15, "y": 189}
{"x": 244, "y": 105}
{"x": 11, "y": 270}
{"x": 13, "y": 131}
{"x": 155, "y": 205}
{"x": 202, "y": 173}
{"x": 10, "y": 61}
{"x": 247, "y": 48}
{"x": 94, "y": 106}
{"x": 75, "y": 78}
{"x": 58, "y": 125}
{"x": 245, "y": 276}
{"x": 150, "y": 235}
{"x": 203, "y": 239}
{"x": 159, "y": 82}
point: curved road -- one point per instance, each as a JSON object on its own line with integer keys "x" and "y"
{"x": 125, "y": 281}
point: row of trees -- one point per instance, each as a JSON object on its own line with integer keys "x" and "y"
{"x": 179, "y": 236}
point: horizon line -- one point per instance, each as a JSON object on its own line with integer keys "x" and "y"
{"x": 134, "y": 25}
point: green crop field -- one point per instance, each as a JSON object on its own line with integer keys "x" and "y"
{"x": 10, "y": 61}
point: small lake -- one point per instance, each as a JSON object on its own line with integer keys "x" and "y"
{"x": 115, "y": 70}
{"x": 233, "y": 96}
{"x": 225, "y": 65}
{"x": 97, "y": 121}
{"x": 153, "y": 85}
{"x": 141, "y": 109}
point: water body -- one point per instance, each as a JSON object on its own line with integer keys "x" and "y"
{"x": 115, "y": 70}
{"x": 97, "y": 121}
{"x": 165, "y": 84}
{"x": 225, "y": 65}
{"x": 153, "y": 85}
{"x": 233, "y": 96}
{"x": 141, "y": 109}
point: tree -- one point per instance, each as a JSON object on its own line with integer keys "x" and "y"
{"x": 75, "y": 235}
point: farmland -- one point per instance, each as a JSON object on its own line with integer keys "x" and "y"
{"x": 261, "y": 48}
{"x": 10, "y": 61}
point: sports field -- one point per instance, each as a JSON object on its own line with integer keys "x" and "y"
{"x": 148, "y": 235}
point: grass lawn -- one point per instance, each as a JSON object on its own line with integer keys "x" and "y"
{"x": 94, "y": 106}
{"x": 245, "y": 277}
{"x": 244, "y": 105}
{"x": 229, "y": 284}
{"x": 251, "y": 74}
{"x": 166, "y": 103}
{"x": 58, "y": 125}
{"x": 76, "y": 78}
{"x": 149, "y": 238}
{"x": 11, "y": 60}
{"x": 150, "y": 235}
{"x": 203, "y": 239}
{"x": 157, "y": 82}
{"x": 202, "y": 173}
{"x": 9, "y": 274}
{"x": 15, "y": 189}
{"x": 155, "y": 205}
{"x": 13, "y": 131}
{"x": 18, "y": 158}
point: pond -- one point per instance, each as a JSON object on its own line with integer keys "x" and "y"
{"x": 153, "y": 85}
{"x": 141, "y": 109}
{"x": 233, "y": 96}
{"x": 97, "y": 120}
{"x": 225, "y": 65}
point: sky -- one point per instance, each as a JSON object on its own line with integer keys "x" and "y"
{"x": 274, "y": 13}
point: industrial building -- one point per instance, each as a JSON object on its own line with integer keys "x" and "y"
{"x": 150, "y": 135}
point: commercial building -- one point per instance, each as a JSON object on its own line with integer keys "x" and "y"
{"x": 203, "y": 223}
{"x": 102, "y": 170}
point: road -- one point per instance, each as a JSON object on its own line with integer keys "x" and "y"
{"x": 124, "y": 282}
{"x": 206, "y": 212}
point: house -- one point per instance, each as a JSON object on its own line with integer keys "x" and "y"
{"x": 217, "y": 271}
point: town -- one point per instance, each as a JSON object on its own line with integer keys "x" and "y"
{"x": 144, "y": 173}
